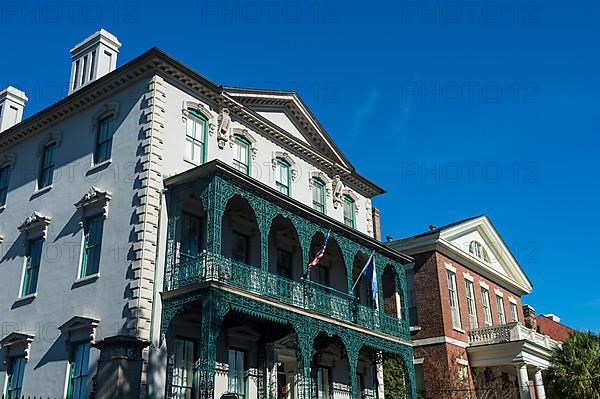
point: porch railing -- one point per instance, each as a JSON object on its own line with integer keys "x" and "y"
{"x": 303, "y": 294}
{"x": 508, "y": 333}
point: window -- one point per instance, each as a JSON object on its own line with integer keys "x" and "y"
{"x": 241, "y": 155}
{"x": 4, "y": 179}
{"x": 236, "y": 378}
{"x": 500, "y": 305}
{"x": 485, "y": 300}
{"x": 15, "y": 373}
{"x": 471, "y": 304}
{"x": 348, "y": 211}
{"x": 453, "y": 299}
{"x": 321, "y": 388}
{"x": 47, "y": 166}
{"x": 282, "y": 176}
{"x": 183, "y": 370}
{"x": 32, "y": 266}
{"x": 513, "y": 312}
{"x": 240, "y": 247}
{"x": 284, "y": 263}
{"x": 195, "y": 137}
{"x": 412, "y": 299}
{"x": 78, "y": 371}
{"x": 190, "y": 243}
{"x": 320, "y": 274}
{"x": 476, "y": 249}
{"x": 318, "y": 195}
{"x": 92, "y": 243}
{"x": 104, "y": 137}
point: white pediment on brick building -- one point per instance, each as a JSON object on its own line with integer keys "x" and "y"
{"x": 478, "y": 241}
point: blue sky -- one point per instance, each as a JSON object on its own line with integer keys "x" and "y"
{"x": 456, "y": 110}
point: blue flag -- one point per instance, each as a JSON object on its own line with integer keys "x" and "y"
{"x": 370, "y": 272}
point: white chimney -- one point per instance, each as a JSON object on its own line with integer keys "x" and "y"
{"x": 93, "y": 58}
{"x": 12, "y": 103}
{"x": 553, "y": 317}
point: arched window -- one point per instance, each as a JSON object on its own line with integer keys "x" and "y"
{"x": 478, "y": 250}
{"x": 318, "y": 194}
{"x": 195, "y": 137}
{"x": 349, "y": 216}
{"x": 241, "y": 154}
{"x": 282, "y": 176}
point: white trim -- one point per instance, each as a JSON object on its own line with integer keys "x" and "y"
{"x": 499, "y": 293}
{"x": 450, "y": 267}
{"x": 462, "y": 362}
{"x": 484, "y": 285}
{"x": 512, "y": 300}
{"x": 418, "y": 361}
{"x": 467, "y": 276}
{"x": 439, "y": 340}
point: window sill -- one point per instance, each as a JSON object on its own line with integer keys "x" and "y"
{"x": 97, "y": 167}
{"x": 85, "y": 280}
{"x": 195, "y": 163}
{"x": 24, "y": 300}
{"x": 460, "y": 330}
{"x": 2, "y": 208}
{"x": 41, "y": 191}
{"x": 415, "y": 328}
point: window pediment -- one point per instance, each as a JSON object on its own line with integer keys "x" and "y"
{"x": 54, "y": 137}
{"x": 236, "y": 131}
{"x": 285, "y": 156}
{"x": 35, "y": 226}
{"x": 17, "y": 344}
{"x": 80, "y": 329}
{"x": 352, "y": 195}
{"x": 202, "y": 110}
{"x": 107, "y": 110}
{"x": 94, "y": 202}
{"x": 8, "y": 159}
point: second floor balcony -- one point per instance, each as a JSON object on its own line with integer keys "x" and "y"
{"x": 226, "y": 229}
{"x": 510, "y": 332}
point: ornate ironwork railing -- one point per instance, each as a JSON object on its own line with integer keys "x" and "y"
{"x": 304, "y": 294}
{"x": 507, "y": 333}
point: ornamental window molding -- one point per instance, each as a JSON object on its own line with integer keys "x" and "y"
{"x": 109, "y": 110}
{"x": 8, "y": 159}
{"x": 17, "y": 344}
{"x": 285, "y": 156}
{"x": 350, "y": 193}
{"x": 54, "y": 137}
{"x": 317, "y": 174}
{"x": 202, "y": 110}
{"x": 35, "y": 226}
{"x": 80, "y": 329}
{"x": 94, "y": 202}
{"x": 242, "y": 132}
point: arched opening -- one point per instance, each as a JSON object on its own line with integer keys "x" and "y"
{"x": 191, "y": 231}
{"x": 331, "y": 269}
{"x": 330, "y": 371}
{"x": 285, "y": 252}
{"x": 363, "y": 288}
{"x": 367, "y": 368}
{"x": 240, "y": 235}
{"x": 392, "y": 303}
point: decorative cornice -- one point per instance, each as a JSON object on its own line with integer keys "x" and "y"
{"x": 35, "y": 223}
{"x": 18, "y": 339}
{"x": 95, "y": 198}
{"x": 79, "y": 328}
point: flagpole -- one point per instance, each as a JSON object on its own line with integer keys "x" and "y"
{"x": 363, "y": 270}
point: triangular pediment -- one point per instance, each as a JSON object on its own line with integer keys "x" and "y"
{"x": 287, "y": 111}
{"x": 478, "y": 241}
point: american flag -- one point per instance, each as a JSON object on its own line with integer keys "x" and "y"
{"x": 319, "y": 254}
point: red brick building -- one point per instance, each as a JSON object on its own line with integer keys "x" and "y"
{"x": 467, "y": 323}
{"x": 550, "y": 325}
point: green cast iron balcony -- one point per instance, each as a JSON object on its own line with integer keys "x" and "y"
{"x": 306, "y": 294}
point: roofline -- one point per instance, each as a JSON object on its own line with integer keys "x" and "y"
{"x": 217, "y": 166}
{"x": 146, "y": 64}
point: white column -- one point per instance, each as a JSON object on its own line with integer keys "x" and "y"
{"x": 398, "y": 305}
{"x": 523, "y": 381}
{"x": 540, "y": 393}
{"x": 379, "y": 376}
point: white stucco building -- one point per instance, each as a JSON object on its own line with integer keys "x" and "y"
{"x": 156, "y": 230}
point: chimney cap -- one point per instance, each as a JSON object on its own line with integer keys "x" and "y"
{"x": 389, "y": 238}
{"x": 14, "y": 94}
{"x": 432, "y": 227}
{"x": 102, "y": 36}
